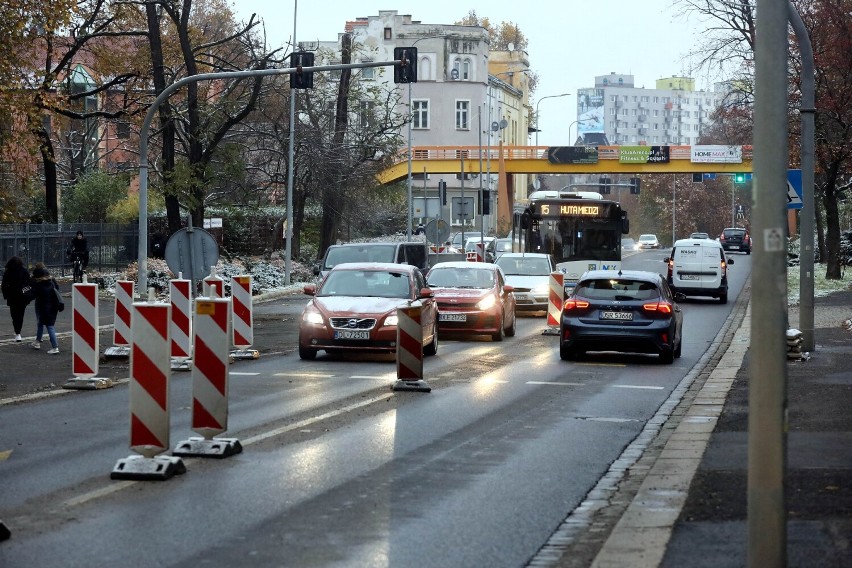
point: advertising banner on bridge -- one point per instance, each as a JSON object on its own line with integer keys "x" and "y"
{"x": 643, "y": 154}
{"x": 717, "y": 154}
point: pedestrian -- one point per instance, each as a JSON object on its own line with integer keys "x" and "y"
{"x": 18, "y": 292}
{"x": 79, "y": 248}
{"x": 48, "y": 303}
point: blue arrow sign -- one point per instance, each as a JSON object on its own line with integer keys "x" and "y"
{"x": 794, "y": 189}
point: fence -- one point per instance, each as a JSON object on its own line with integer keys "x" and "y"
{"x": 111, "y": 246}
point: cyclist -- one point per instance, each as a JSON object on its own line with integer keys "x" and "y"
{"x": 79, "y": 250}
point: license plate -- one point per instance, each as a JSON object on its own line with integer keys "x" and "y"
{"x": 351, "y": 334}
{"x": 735, "y": 247}
{"x": 689, "y": 277}
{"x": 623, "y": 316}
{"x": 452, "y": 317}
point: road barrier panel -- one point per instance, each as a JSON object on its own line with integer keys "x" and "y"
{"x": 212, "y": 285}
{"x": 121, "y": 322}
{"x": 242, "y": 318}
{"x": 409, "y": 349}
{"x": 180, "y": 326}
{"x": 554, "y": 303}
{"x": 211, "y": 344}
{"x": 5, "y": 533}
{"x": 85, "y": 339}
{"x": 150, "y": 375}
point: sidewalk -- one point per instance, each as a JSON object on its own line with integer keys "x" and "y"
{"x": 691, "y": 508}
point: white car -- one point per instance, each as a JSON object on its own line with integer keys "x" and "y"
{"x": 648, "y": 241}
{"x": 529, "y": 275}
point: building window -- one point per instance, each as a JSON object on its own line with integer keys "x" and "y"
{"x": 122, "y": 130}
{"x": 633, "y": 112}
{"x": 645, "y": 98}
{"x": 696, "y": 127}
{"x": 656, "y": 126}
{"x": 613, "y": 111}
{"x": 420, "y": 114}
{"x": 365, "y": 113}
{"x": 388, "y": 33}
{"x": 613, "y": 98}
{"x": 462, "y": 115}
{"x": 465, "y": 70}
{"x": 624, "y": 98}
{"x": 656, "y": 112}
{"x": 368, "y": 72}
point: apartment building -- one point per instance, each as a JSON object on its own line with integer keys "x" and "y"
{"x": 466, "y": 95}
{"x": 672, "y": 113}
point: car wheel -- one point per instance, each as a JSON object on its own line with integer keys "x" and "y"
{"x": 512, "y": 329}
{"x": 307, "y": 354}
{"x": 677, "y": 349}
{"x": 498, "y": 335}
{"x": 723, "y": 298}
{"x": 566, "y": 353}
{"x": 667, "y": 356}
{"x": 432, "y": 348}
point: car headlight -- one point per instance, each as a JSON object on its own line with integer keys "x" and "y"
{"x": 486, "y": 302}
{"x": 312, "y": 317}
{"x": 392, "y": 320}
{"x": 543, "y": 289}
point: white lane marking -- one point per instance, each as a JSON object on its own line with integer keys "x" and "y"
{"x": 371, "y": 377}
{"x": 307, "y": 375}
{"x": 637, "y": 387}
{"x": 607, "y": 419}
{"x": 235, "y": 373}
{"x": 557, "y": 383}
{"x": 102, "y": 492}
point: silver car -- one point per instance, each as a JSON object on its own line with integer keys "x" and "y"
{"x": 529, "y": 275}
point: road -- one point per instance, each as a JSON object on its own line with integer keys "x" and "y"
{"x": 337, "y": 469}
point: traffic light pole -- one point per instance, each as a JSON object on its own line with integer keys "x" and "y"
{"x": 142, "y": 256}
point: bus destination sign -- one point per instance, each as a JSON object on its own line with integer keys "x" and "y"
{"x": 567, "y": 210}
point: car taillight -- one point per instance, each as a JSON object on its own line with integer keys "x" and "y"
{"x": 664, "y": 308}
{"x": 575, "y": 304}
{"x": 722, "y": 237}
{"x": 724, "y": 266}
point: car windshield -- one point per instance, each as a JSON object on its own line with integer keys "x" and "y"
{"x": 617, "y": 289}
{"x": 734, "y": 232}
{"x": 525, "y": 266}
{"x": 648, "y": 238}
{"x": 372, "y": 283}
{"x": 460, "y": 278}
{"x": 503, "y": 245}
{"x": 370, "y": 253}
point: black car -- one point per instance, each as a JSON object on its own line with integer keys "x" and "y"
{"x": 736, "y": 238}
{"x": 629, "y": 311}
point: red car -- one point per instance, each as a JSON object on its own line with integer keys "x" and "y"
{"x": 355, "y": 309}
{"x": 473, "y": 298}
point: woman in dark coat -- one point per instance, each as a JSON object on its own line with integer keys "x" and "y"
{"x": 47, "y": 305}
{"x": 15, "y": 278}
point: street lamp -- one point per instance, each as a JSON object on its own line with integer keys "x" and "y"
{"x": 536, "y": 111}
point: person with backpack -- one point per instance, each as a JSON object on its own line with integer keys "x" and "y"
{"x": 48, "y": 304}
{"x": 18, "y": 292}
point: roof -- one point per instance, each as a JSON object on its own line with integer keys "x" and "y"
{"x": 377, "y": 266}
{"x": 465, "y": 264}
{"x": 697, "y": 242}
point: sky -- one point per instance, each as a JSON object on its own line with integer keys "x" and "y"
{"x": 570, "y": 42}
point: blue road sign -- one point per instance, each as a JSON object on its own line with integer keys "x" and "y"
{"x": 794, "y": 189}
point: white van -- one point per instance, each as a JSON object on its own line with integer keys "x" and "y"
{"x": 698, "y": 267}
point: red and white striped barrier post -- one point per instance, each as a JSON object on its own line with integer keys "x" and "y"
{"x": 409, "y": 350}
{"x": 180, "y": 326}
{"x": 242, "y": 320}
{"x": 121, "y": 326}
{"x": 554, "y": 303}
{"x": 211, "y": 344}
{"x": 150, "y": 373}
{"x": 85, "y": 340}
{"x": 213, "y": 286}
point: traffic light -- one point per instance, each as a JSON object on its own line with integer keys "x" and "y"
{"x": 739, "y": 177}
{"x": 635, "y": 185}
{"x": 300, "y": 79}
{"x": 603, "y": 185}
{"x": 442, "y": 190}
{"x": 406, "y": 70}
{"x": 486, "y": 202}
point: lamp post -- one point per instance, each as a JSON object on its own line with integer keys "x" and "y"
{"x": 538, "y": 102}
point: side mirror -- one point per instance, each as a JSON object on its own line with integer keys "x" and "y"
{"x": 310, "y": 289}
{"x": 680, "y": 296}
{"x": 729, "y": 260}
{"x": 426, "y": 292}
{"x": 508, "y": 289}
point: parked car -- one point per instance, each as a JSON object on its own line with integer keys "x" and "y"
{"x": 459, "y": 239}
{"x": 699, "y": 236}
{"x": 628, "y": 244}
{"x": 698, "y": 267}
{"x": 736, "y": 238}
{"x": 413, "y": 253}
{"x": 473, "y": 244}
{"x": 473, "y": 298}
{"x": 648, "y": 241}
{"x": 628, "y": 311}
{"x": 355, "y": 309}
{"x": 529, "y": 276}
